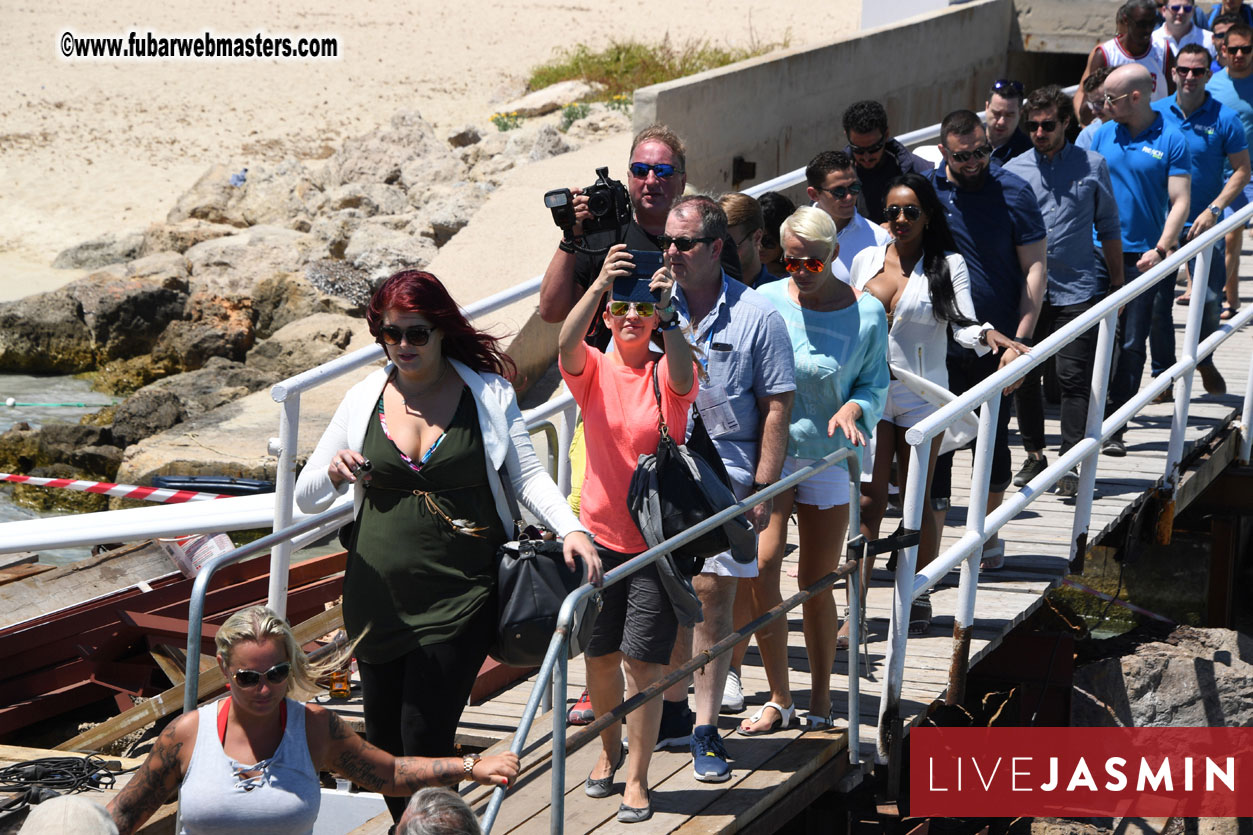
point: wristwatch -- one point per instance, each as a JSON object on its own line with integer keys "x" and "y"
{"x": 758, "y": 486}
{"x": 1216, "y": 212}
{"x": 467, "y": 763}
{"x": 667, "y": 318}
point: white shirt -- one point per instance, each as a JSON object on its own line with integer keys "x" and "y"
{"x": 1196, "y": 35}
{"x": 1154, "y": 61}
{"x": 916, "y": 338}
{"x": 858, "y": 234}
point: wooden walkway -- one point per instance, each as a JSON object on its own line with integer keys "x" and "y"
{"x": 765, "y": 769}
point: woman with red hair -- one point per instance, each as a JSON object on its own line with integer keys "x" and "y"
{"x": 441, "y": 431}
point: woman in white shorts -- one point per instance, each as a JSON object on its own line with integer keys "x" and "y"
{"x": 925, "y": 288}
{"x": 839, "y": 336}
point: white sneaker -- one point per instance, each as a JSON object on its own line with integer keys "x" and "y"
{"x": 732, "y": 693}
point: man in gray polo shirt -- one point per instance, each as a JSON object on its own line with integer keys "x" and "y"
{"x": 745, "y": 403}
{"x": 1073, "y": 188}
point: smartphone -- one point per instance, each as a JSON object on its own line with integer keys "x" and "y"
{"x": 634, "y": 287}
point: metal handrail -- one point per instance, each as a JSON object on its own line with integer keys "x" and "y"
{"x": 986, "y": 397}
{"x": 552, "y": 673}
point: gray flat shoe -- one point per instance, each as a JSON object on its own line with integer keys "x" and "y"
{"x": 631, "y": 814}
{"x": 603, "y": 786}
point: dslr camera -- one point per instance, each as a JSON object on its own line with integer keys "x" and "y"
{"x": 607, "y": 200}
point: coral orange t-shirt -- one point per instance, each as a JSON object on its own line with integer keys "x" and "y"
{"x": 620, "y": 425}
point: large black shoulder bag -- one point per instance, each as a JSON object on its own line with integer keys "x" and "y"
{"x": 676, "y": 488}
{"x": 532, "y": 582}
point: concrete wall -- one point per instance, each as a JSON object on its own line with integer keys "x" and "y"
{"x": 1073, "y": 26}
{"x": 920, "y": 70}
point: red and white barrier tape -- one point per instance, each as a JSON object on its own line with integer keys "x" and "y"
{"x": 121, "y": 491}
{"x": 1103, "y": 596}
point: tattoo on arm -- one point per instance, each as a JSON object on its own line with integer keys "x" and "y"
{"x": 378, "y": 771}
{"x": 413, "y": 773}
{"x": 154, "y": 783}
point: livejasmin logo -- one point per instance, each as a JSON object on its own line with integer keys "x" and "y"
{"x": 1144, "y": 772}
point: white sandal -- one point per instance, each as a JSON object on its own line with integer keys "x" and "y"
{"x": 786, "y": 715}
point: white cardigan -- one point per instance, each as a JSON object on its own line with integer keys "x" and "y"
{"x": 916, "y": 339}
{"x": 505, "y": 441}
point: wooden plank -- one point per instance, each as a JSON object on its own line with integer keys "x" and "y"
{"x": 163, "y": 704}
{"x": 14, "y": 573}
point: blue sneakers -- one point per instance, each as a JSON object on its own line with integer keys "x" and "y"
{"x": 709, "y": 757}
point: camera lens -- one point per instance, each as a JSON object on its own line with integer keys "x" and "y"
{"x": 599, "y": 203}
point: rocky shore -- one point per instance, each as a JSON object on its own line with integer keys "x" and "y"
{"x": 254, "y": 275}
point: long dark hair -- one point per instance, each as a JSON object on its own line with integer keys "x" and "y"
{"x": 937, "y": 242}
{"x": 414, "y": 291}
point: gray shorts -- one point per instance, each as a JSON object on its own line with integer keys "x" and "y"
{"x": 637, "y": 618}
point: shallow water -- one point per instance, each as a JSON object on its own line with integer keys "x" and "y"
{"x": 49, "y": 396}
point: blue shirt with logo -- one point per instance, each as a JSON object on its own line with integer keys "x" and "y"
{"x": 1213, "y": 132}
{"x": 1140, "y": 168}
{"x": 1236, "y": 93}
{"x": 989, "y": 224}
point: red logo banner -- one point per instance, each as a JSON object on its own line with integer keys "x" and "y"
{"x": 1106, "y": 772}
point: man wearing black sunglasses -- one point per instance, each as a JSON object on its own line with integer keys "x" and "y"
{"x": 655, "y": 179}
{"x": 1076, "y": 199}
{"x": 996, "y": 223}
{"x": 1233, "y": 87}
{"x": 1218, "y": 143}
{"x": 879, "y": 158}
{"x": 745, "y": 401}
{"x": 1149, "y": 167}
{"x": 834, "y": 188}
{"x": 1136, "y": 20}
{"x": 1002, "y": 110}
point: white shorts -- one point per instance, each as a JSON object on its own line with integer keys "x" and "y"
{"x": 724, "y": 565}
{"x": 827, "y": 489}
{"x": 904, "y": 407}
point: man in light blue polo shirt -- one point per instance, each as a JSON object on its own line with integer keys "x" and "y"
{"x": 1149, "y": 168}
{"x": 1233, "y": 86}
{"x": 1217, "y": 142}
{"x": 1073, "y": 188}
{"x": 745, "y": 403}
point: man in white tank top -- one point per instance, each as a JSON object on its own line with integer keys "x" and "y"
{"x": 1134, "y": 44}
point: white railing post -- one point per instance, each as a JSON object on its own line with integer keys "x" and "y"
{"x": 1101, "y": 370}
{"x": 565, "y": 434}
{"x": 1246, "y": 419}
{"x": 1183, "y": 386}
{"x": 284, "y": 498}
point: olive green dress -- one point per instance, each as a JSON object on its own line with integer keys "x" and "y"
{"x": 423, "y": 561}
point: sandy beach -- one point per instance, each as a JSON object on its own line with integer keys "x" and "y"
{"x": 90, "y": 146}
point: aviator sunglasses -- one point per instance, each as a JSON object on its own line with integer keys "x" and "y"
{"x": 644, "y": 309}
{"x": 1049, "y": 125}
{"x": 840, "y": 192}
{"x": 275, "y": 675}
{"x": 866, "y": 149}
{"x": 682, "y": 244}
{"x": 417, "y": 336}
{"x": 795, "y": 265}
{"x": 639, "y": 170}
{"x": 910, "y": 212}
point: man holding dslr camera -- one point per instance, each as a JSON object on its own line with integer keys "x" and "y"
{"x": 655, "y": 179}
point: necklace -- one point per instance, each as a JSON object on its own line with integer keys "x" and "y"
{"x": 405, "y": 396}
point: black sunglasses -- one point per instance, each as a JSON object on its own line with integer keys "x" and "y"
{"x": 1199, "y": 72}
{"x": 911, "y": 212}
{"x": 275, "y": 675}
{"x": 1239, "y": 50}
{"x": 639, "y": 170}
{"x": 417, "y": 336}
{"x": 967, "y": 156}
{"x": 866, "y": 149}
{"x": 840, "y": 192}
{"x": 681, "y": 244}
{"x": 1049, "y": 125}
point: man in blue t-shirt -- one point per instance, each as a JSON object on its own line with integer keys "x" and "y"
{"x": 1149, "y": 168}
{"x": 1216, "y": 141}
{"x": 996, "y": 223}
{"x": 1233, "y": 86}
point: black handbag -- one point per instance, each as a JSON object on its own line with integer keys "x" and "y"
{"x": 532, "y": 582}
{"x": 675, "y": 489}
